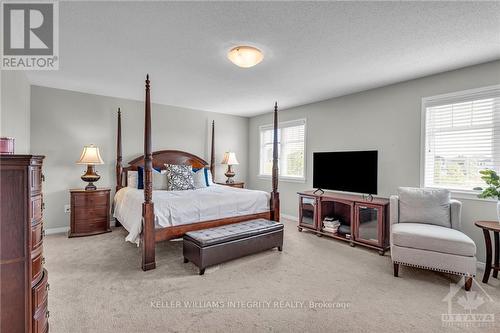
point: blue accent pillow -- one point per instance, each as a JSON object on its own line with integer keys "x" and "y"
{"x": 140, "y": 177}
{"x": 206, "y": 174}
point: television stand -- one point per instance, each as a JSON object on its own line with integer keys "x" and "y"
{"x": 364, "y": 221}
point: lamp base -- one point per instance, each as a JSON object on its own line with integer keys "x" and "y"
{"x": 90, "y": 176}
{"x": 229, "y": 174}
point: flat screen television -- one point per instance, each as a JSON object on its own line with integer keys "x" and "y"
{"x": 349, "y": 171}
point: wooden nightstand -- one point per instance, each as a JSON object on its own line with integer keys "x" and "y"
{"x": 89, "y": 212}
{"x": 235, "y": 184}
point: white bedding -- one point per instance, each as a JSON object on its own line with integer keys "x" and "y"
{"x": 183, "y": 207}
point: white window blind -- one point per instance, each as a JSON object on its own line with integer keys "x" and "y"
{"x": 291, "y": 155}
{"x": 462, "y": 137}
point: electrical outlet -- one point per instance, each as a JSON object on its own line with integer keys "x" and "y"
{"x": 67, "y": 208}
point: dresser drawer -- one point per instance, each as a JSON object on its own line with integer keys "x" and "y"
{"x": 36, "y": 235}
{"x": 40, "y": 292}
{"x": 100, "y": 212}
{"x": 91, "y": 226}
{"x": 36, "y": 178}
{"x": 90, "y": 199}
{"x": 37, "y": 261}
{"x": 36, "y": 207}
{"x": 41, "y": 319}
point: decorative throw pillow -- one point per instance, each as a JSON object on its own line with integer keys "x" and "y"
{"x": 208, "y": 174}
{"x": 179, "y": 177}
{"x": 423, "y": 205}
{"x": 160, "y": 180}
{"x": 140, "y": 177}
{"x": 199, "y": 178}
{"x": 132, "y": 180}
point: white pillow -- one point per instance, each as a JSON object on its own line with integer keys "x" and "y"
{"x": 423, "y": 205}
{"x": 209, "y": 176}
{"x": 199, "y": 180}
{"x": 132, "y": 179}
{"x": 159, "y": 180}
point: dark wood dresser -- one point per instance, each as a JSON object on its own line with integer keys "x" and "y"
{"x": 89, "y": 212}
{"x": 24, "y": 285}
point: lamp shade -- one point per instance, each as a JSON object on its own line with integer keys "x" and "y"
{"x": 90, "y": 156}
{"x": 229, "y": 158}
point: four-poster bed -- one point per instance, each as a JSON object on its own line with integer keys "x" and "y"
{"x": 151, "y": 233}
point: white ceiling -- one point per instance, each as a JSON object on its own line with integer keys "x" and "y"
{"x": 313, "y": 50}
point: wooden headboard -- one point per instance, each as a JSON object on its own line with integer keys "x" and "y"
{"x": 162, "y": 157}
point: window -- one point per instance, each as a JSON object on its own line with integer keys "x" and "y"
{"x": 462, "y": 137}
{"x": 291, "y": 155}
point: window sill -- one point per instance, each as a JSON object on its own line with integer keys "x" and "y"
{"x": 284, "y": 179}
{"x": 469, "y": 195}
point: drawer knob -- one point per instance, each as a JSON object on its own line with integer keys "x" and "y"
{"x": 47, "y": 287}
{"x": 43, "y": 177}
{"x": 43, "y": 260}
{"x": 43, "y": 205}
{"x": 47, "y": 314}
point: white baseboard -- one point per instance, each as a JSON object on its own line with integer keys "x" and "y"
{"x": 289, "y": 217}
{"x": 481, "y": 265}
{"x": 52, "y": 231}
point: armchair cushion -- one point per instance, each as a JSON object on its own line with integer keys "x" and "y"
{"x": 432, "y": 238}
{"x": 422, "y": 205}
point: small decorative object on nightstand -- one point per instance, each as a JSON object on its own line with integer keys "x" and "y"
{"x": 91, "y": 157}
{"x": 230, "y": 160}
{"x": 234, "y": 184}
{"x": 89, "y": 212}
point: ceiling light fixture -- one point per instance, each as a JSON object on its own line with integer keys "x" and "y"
{"x": 245, "y": 56}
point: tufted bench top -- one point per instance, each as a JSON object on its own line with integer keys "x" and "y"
{"x": 232, "y": 232}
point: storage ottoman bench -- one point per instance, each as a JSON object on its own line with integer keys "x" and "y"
{"x": 216, "y": 245}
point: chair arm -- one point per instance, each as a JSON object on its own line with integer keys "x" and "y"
{"x": 455, "y": 214}
{"x": 394, "y": 209}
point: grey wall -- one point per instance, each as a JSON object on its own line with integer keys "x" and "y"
{"x": 62, "y": 122}
{"x": 386, "y": 119}
{"x": 15, "y": 109}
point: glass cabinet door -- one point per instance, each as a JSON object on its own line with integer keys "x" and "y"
{"x": 307, "y": 215}
{"x": 368, "y": 223}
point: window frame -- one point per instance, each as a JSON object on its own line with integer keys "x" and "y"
{"x": 450, "y": 98}
{"x": 281, "y": 124}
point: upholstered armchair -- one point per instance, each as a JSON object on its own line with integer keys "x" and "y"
{"x": 425, "y": 233}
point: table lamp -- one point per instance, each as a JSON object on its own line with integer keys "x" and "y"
{"x": 230, "y": 160}
{"x": 91, "y": 157}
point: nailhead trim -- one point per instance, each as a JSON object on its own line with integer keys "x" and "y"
{"x": 434, "y": 269}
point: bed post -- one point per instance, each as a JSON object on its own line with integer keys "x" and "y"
{"x": 148, "y": 217}
{"x": 212, "y": 153}
{"x": 275, "y": 196}
{"x": 119, "y": 168}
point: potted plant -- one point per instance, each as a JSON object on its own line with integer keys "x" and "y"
{"x": 491, "y": 179}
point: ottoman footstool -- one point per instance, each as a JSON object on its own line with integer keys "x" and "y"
{"x": 213, "y": 246}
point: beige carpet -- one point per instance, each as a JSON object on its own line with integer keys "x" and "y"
{"x": 97, "y": 286}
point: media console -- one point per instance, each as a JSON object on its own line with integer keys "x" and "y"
{"x": 364, "y": 222}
